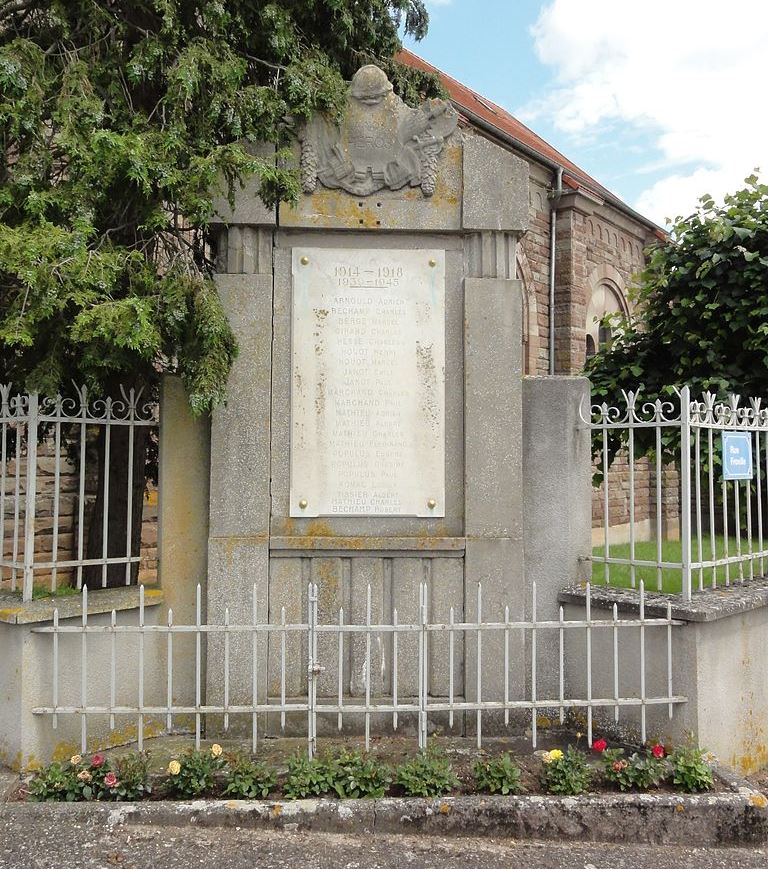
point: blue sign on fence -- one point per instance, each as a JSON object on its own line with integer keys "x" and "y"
{"x": 737, "y": 455}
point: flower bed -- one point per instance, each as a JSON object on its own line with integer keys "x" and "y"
{"x": 214, "y": 772}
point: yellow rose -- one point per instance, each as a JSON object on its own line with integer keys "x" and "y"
{"x": 174, "y": 767}
{"x": 216, "y": 749}
{"x": 76, "y": 760}
{"x": 555, "y": 754}
{"x": 84, "y": 775}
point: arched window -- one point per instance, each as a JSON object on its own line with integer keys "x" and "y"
{"x": 591, "y": 349}
{"x": 606, "y": 298}
{"x": 530, "y": 325}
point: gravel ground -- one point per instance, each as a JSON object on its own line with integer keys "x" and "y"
{"x": 26, "y": 843}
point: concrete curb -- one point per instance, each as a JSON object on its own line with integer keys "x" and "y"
{"x": 736, "y": 817}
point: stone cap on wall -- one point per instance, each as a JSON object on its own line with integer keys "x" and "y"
{"x": 14, "y": 612}
{"x": 709, "y": 605}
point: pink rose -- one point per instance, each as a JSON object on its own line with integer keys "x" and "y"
{"x": 97, "y": 760}
{"x": 110, "y": 780}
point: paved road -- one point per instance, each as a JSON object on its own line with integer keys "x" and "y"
{"x": 33, "y": 844}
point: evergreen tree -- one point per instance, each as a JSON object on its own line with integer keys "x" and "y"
{"x": 117, "y": 118}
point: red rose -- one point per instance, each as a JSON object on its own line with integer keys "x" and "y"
{"x": 599, "y": 745}
{"x": 97, "y": 760}
{"x": 658, "y": 750}
{"x": 110, "y": 780}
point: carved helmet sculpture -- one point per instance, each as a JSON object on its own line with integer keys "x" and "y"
{"x": 382, "y": 143}
{"x": 370, "y": 85}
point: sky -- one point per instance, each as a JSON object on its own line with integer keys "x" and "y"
{"x": 661, "y": 101}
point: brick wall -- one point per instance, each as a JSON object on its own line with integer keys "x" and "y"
{"x": 645, "y": 498}
{"x": 533, "y": 270}
{"x": 67, "y": 519}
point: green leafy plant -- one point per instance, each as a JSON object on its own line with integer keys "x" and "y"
{"x": 54, "y": 783}
{"x": 616, "y": 768}
{"x": 132, "y": 773}
{"x": 77, "y": 780}
{"x": 429, "y": 774}
{"x": 248, "y": 779}
{"x": 356, "y": 775}
{"x": 195, "y": 772}
{"x": 124, "y": 132}
{"x": 695, "y": 314}
{"x": 566, "y": 773}
{"x": 690, "y": 770}
{"x": 498, "y": 775}
{"x": 640, "y": 770}
{"x": 308, "y": 777}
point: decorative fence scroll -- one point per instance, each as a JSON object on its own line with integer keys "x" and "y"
{"x": 721, "y": 531}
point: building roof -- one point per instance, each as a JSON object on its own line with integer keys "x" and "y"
{"x": 497, "y": 121}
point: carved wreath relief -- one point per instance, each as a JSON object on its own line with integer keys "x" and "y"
{"x": 382, "y": 144}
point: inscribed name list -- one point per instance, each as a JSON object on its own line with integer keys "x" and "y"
{"x": 368, "y": 383}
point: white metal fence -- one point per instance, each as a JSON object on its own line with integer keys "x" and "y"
{"x": 721, "y": 535}
{"x": 500, "y": 653}
{"x": 67, "y": 426}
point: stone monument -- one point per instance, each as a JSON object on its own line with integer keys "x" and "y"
{"x": 372, "y": 434}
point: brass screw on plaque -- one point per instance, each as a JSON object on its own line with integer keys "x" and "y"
{"x": 431, "y": 503}
{"x": 304, "y": 262}
{"x": 433, "y": 262}
{"x": 303, "y": 504}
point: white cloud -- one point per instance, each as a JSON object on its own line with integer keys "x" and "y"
{"x": 692, "y": 72}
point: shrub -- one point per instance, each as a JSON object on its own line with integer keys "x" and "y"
{"x": 640, "y": 770}
{"x": 308, "y": 777}
{"x": 248, "y": 779}
{"x": 690, "y": 770}
{"x": 499, "y": 775}
{"x": 566, "y": 772}
{"x": 650, "y": 767}
{"x": 355, "y": 776}
{"x": 194, "y": 773}
{"x": 57, "y": 782}
{"x": 429, "y": 774}
{"x": 132, "y": 772}
{"x": 74, "y": 781}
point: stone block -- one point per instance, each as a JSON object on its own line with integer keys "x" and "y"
{"x": 240, "y": 430}
{"x": 237, "y": 576}
{"x": 557, "y": 506}
{"x": 496, "y": 563}
{"x": 182, "y": 526}
{"x": 495, "y": 187}
{"x": 28, "y": 740}
{"x": 249, "y": 208}
{"x": 493, "y": 398}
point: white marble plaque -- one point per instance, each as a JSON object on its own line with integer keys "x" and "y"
{"x": 368, "y": 383}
